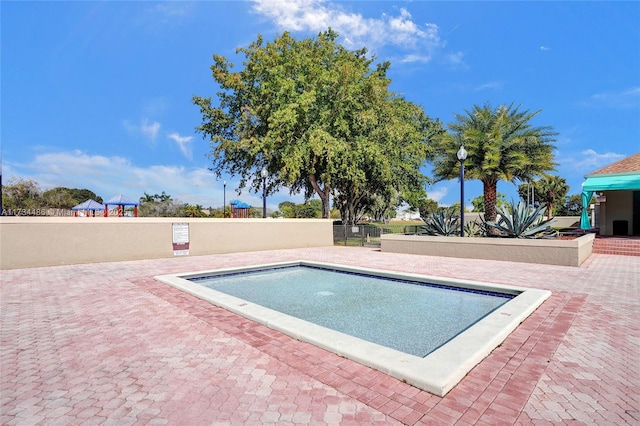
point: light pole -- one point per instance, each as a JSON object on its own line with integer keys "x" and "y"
{"x": 264, "y": 174}
{"x": 224, "y": 198}
{"x": 462, "y": 155}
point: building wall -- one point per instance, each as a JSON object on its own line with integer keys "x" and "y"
{"x": 27, "y": 242}
{"x": 619, "y": 206}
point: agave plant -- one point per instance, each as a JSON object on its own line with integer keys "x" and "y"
{"x": 476, "y": 228}
{"x": 443, "y": 222}
{"x": 520, "y": 221}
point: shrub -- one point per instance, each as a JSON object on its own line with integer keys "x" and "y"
{"x": 476, "y": 228}
{"x": 520, "y": 221}
{"x": 443, "y": 222}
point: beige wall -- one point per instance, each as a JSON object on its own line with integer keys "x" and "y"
{"x": 557, "y": 252}
{"x": 565, "y": 222}
{"x": 44, "y": 241}
{"x": 619, "y": 206}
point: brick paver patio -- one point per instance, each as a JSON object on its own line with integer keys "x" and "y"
{"x": 107, "y": 344}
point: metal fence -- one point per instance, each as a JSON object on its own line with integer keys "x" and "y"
{"x": 366, "y": 235}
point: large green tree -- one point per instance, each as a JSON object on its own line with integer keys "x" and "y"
{"x": 27, "y": 195}
{"x": 547, "y": 191}
{"x": 502, "y": 144}
{"x": 66, "y": 198}
{"x": 319, "y": 117}
{"x": 573, "y": 205}
{"x": 478, "y": 202}
{"x": 21, "y": 194}
{"x": 427, "y": 207}
{"x": 163, "y": 205}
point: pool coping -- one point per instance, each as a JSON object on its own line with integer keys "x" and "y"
{"x": 436, "y": 373}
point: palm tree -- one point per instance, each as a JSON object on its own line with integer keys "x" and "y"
{"x": 501, "y": 144}
{"x": 549, "y": 189}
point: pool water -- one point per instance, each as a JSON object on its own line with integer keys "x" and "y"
{"x": 412, "y": 317}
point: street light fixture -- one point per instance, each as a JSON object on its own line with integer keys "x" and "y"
{"x": 264, "y": 173}
{"x": 224, "y": 199}
{"x": 462, "y": 155}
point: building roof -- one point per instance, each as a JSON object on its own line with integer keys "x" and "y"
{"x": 630, "y": 164}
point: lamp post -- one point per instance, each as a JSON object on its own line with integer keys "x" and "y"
{"x": 462, "y": 155}
{"x": 224, "y": 198}
{"x": 264, "y": 174}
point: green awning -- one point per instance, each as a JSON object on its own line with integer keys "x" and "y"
{"x": 612, "y": 182}
{"x": 605, "y": 183}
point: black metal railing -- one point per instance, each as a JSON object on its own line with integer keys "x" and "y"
{"x": 368, "y": 235}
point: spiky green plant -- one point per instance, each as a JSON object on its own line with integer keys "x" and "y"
{"x": 443, "y": 222}
{"x": 476, "y": 228}
{"x": 520, "y": 221}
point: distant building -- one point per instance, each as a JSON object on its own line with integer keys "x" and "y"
{"x": 618, "y": 189}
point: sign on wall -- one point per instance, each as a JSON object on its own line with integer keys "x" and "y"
{"x": 180, "y": 239}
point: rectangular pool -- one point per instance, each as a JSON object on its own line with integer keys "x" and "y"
{"x": 409, "y": 316}
{"x": 427, "y": 331}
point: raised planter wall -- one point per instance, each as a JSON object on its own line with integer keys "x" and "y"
{"x": 27, "y": 242}
{"x": 551, "y": 252}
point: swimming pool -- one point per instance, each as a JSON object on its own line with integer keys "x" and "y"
{"x": 448, "y": 358}
{"x": 409, "y": 316}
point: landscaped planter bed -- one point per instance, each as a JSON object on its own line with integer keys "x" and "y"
{"x": 568, "y": 252}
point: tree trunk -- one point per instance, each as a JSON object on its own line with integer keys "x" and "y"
{"x": 353, "y": 213}
{"x": 490, "y": 200}
{"x": 323, "y": 194}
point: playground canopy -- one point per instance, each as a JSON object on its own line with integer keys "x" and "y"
{"x": 121, "y": 201}
{"x": 239, "y": 209}
{"x": 89, "y": 205}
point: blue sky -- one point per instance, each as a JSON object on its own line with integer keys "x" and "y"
{"x": 97, "y": 95}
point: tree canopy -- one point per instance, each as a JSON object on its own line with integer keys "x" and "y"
{"x": 27, "y": 195}
{"x": 163, "y": 205}
{"x": 547, "y": 191}
{"x": 502, "y": 144}
{"x": 320, "y": 118}
{"x": 478, "y": 202}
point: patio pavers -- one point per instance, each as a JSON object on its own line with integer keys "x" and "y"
{"x": 107, "y": 344}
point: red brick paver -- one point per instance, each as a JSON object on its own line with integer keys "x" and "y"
{"x": 107, "y": 344}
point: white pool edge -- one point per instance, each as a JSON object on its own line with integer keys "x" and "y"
{"x": 436, "y": 373}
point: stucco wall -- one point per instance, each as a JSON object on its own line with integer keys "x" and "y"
{"x": 619, "y": 206}
{"x": 44, "y": 241}
{"x": 551, "y": 252}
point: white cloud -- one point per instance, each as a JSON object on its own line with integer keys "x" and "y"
{"x": 628, "y": 98}
{"x": 415, "y": 58}
{"x": 355, "y": 30}
{"x": 150, "y": 130}
{"x": 456, "y": 60}
{"x": 590, "y": 160}
{"x": 184, "y": 143}
{"x": 109, "y": 176}
{"x": 437, "y": 194}
{"x": 145, "y": 128}
{"x": 545, "y": 48}
{"x": 489, "y": 85}
{"x": 405, "y": 32}
{"x": 76, "y": 163}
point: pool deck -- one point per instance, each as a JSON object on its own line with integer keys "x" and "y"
{"x": 107, "y": 344}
